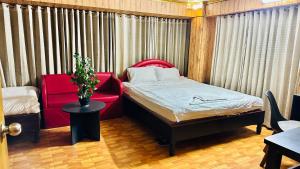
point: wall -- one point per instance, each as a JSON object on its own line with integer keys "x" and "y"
{"x": 203, "y": 32}
{"x": 236, "y": 6}
{"x": 138, "y": 7}
{"x": 201, "y": 48}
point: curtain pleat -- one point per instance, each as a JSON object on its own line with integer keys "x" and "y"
{"x": 57, "y": 46}
{"x": 62, "y": 40}
{"x": 48, "y": 41}
{"x": 258, "y": 51}
{"x": 72, "y": 39}
{"x": 102, "y": 42}
{"x": 40, "y": 45}
{"x": 35, "y": 41}
{"x": 89, "y": 37}
{"x": 96, "y": 41}
{"x": 6, "y": 54}
{"x": 78, "y": 32}
{"x": 20, "y": 56}
{"x": 30, "y": 44}
{"x": 68, "y": 47}
{"x": 150, "y": 37}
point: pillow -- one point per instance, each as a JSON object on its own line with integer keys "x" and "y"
{"x": 141, "y": 74}
{"x": 165, "y": 74}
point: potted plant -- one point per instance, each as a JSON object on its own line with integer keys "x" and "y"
{"x": 84, "y": 77}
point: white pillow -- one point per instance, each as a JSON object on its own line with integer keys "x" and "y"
{"x": 141, "y": 74}
{"x": 165, "y": 74}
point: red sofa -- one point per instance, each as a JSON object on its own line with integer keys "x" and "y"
{"x": 57, "y": 90}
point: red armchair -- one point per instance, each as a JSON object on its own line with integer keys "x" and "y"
{"x": 57, "y": 90}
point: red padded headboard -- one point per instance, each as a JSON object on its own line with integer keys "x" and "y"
{"x": 145, "y": 63}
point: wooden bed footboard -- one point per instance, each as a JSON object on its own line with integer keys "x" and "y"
{"x": 176, "y": 132}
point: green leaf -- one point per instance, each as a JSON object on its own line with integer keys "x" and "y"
{"x": 84, "y": 76}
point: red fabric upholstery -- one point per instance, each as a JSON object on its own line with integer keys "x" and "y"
{"x": 149, "y": 62}
{"x": 57, "y": 90}
{"x": 56, "y": 84}
{"x": 58, "y": 100}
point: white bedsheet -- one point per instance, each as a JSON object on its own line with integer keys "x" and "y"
{"x": 20, "y": 100}
{"x": 185, "y": 96}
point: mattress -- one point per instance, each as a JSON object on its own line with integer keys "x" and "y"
{"x": 20, "y": 100}
{"x": 185, "y": 99}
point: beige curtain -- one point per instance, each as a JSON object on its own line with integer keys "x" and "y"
{"x": 42, "y": 40}
{"x": 141, "y": 38}
{"x": 259, "y": 51}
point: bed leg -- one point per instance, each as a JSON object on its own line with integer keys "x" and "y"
{"x": 36, "y": 137}
{"x": 172, "y": 144}
{"x": 258, "y": 128}
{"x": 172, "y": 148}
{"x": 36, "y": 134}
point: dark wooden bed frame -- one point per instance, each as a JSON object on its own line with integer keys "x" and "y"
{"x": 30, "y": 127}
{"x": 175, "y": 132}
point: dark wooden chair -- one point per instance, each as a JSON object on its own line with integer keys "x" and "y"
{"x": 278, "y": 122}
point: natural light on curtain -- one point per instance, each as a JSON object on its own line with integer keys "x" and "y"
{"x": 259, "y": 51}
{"x": 151, "y": 37}
{"x": 41, "y": 40}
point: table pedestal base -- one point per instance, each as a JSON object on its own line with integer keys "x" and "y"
{"x": 85, "y": 126}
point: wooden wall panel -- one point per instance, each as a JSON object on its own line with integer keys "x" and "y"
{"x": 201, "y": 48}
{"x": 138, "y": 7}
{"x": 236, "y": 6}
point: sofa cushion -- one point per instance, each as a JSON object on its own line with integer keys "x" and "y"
{"x": 58, "y": 100}
{"x": 105, "y": 96}
{"x": 55, "y": 117}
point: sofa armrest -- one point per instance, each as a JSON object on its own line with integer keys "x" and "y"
{"x": 117, "y": 85}
{"x": 44, "y": 92}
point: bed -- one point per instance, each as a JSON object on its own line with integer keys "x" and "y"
{"x": 21, "y": 105}
{"x": 182, "y": 109}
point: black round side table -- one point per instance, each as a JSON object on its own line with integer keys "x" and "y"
{"x": 84, "y": 121}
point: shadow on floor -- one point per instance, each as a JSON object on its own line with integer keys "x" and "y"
{"x": 49, "y": 138}
{"x": 138, "y": 144}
